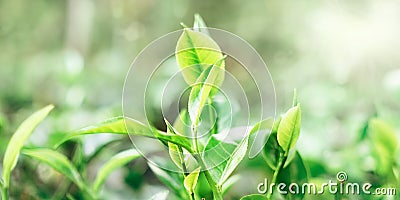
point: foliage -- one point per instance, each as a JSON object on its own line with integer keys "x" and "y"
{"x": 207, "y": 168}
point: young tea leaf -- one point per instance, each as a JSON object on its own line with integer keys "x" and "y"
{"x": 199, "y": 25}
{"x": 175, "y": 152}
{"x": 58, "y": 162}
{"x": 195, "y": 51}
{"x": 123, "y": 125}
{"x": 202, "y": 90}
{"x": 115, "y": 162}
{"x": 234, "y": 160}
{"x": 117, "y": 125}
{"x": 259, "y": 136}
{"x": 191, "y": 180}
{"x": 289, "y": 128}
{"x": 18, "y": 139}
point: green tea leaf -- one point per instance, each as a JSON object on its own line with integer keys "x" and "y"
{"x": 289, "y": 128}
{"x": 226, "y": 155}
{"x": 175, "y": 139}
{"x": 115, "y": 162}
{"x": 199, "y": 25}
{"x": 254, "y": 197}
{"x": 295, "y": 172}
{"x": 223, "y": 156}
{"x": 58, "y": 162}
{"x": 195, "y": 51}
{"x": 272, "y": 151}
{"x": 202, "y": 89}
{"x": 259, "y": 136}
{"x": 191, "y": 180}
{"x": 122, "y": 125}
{"x": 117, "y": 125}
{"x": 216, "y": 154}
{"x": 18, "y": 139}
{"x": 234, "y": 160}
{"x": 175, "y": 152}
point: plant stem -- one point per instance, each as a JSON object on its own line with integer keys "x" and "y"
{"x": 195, "y": 140}
{"x": 281, "y": 163}
{"x": 4, "y": 193}
{"x": 192, "y": 196}
{"x": 215, "y": 189}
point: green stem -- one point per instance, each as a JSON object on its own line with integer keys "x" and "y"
{"x": 281, "y": 163}
{"x": 214, "y": 188}
{"x": 88, "y": 194}
{"x": 195, "y": 140}
{"x": 192, "y": 196}
{"x": 4, "y": 193}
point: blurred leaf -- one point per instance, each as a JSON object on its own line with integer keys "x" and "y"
{"x": 18, "y": 139}
{"x": 199, "y": 25}
{"x": 383, "y": 135}
{"x": 160, "y": 196}
{"x": 385, "y": 143}
{"x": 195, "y": 52}
{"x": 169, "y": 178}
{"x": 317, "y": 167}
{"x": 364, "y": 131}
{"x": 113, "y": 163}
{"x": 58, "y": 162}
{"x": 191, "y": 180}
{"x": 201, "y": 91}
{"x": 289, "y": 128}
{"x": 254, "y": 197}
{"x": 122, "y": 125}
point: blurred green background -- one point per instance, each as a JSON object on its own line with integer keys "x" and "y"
{"x": 342, "y": 56}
